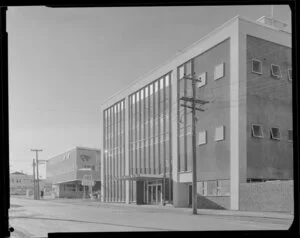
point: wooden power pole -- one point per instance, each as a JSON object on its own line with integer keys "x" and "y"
{"x": 37, "y": 172}
{"x": 34, "y": 184}
{"x": 193, "y": 100}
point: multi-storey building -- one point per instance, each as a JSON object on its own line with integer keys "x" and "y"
{"x": 244, "y": 132}
{"x": 67, "y": 171}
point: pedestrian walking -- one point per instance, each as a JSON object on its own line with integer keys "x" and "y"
{"x": 42, "y": 194}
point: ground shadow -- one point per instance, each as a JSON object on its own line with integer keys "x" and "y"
{"x": 91, "y": 222}
{"x": 204, "y": 203}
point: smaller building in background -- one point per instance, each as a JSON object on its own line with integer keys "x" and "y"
{"x": 67, "y": 170}
{"x": 20, "y": 183}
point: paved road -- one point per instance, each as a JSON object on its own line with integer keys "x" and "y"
{"x": 36, "y": 218}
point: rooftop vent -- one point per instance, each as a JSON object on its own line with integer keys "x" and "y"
{"x": 272, "y": 22}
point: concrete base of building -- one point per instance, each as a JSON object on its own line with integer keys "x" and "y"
{"x": 180, "y": 195}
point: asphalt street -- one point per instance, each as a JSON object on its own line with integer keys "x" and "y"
{"x": 36, "y": 218}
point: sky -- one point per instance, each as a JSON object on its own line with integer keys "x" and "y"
{"x": 64, "y": 63}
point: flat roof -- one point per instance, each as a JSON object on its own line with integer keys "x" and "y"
{"x": 71, "y": 181}
{"x": 73, "y": 148}
{"x": 142, "y": 177}
{"x": 87, "y": 148}
{"x": 188, "y": 48}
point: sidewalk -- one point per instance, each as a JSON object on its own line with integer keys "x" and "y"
{"x": 276, "y": 215}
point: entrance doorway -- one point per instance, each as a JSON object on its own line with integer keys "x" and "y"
{"x": 190, "y": 195}
{"x": 154, "y": 194}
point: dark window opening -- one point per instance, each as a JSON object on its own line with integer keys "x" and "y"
{"x": 290, "y": 74}
{"x": 275, "y": 133}
{"x": 256, "y": 66}
{"x": 275, "y": 71}
{"x": 290, "y": 135}
{"x": 257, "y": 131}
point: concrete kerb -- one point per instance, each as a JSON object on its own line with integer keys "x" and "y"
{"x": 276, "y": 215}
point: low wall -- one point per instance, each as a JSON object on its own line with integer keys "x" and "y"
{"x": 267, "y": 196}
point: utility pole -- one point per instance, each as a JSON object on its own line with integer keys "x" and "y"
{"x": 193, "y": 100}
{"x": 34, "y": 185}
{"x": 37, "y": 172}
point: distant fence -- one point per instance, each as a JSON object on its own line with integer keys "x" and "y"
{"x": 267, "y": 196}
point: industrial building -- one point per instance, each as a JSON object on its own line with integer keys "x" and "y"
{"x": 67, "y": 170}
{"x": 244, "y": 131}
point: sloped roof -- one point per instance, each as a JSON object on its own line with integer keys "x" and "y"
{"x": 19, "y": 173}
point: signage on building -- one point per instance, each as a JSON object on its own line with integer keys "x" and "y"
{"x": 85, "y": 157}
{"x": 85, "y": 182}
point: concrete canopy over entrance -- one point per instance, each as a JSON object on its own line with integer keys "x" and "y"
{"x": 149, "y": 188}
{"x": 142, "y": 177}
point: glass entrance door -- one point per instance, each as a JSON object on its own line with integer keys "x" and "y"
{"x": 190, "y": 195}
{"x": 154, "y": 194}
{"x": 159, "y": 193}
{"x": 149, "y": 194}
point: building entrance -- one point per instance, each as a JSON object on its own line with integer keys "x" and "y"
{"x": 153, "y": 194}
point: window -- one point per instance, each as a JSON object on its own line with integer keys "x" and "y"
{"x": 167, "y": 81}
{"x": 188, "y": 68}
{"x": 202, "y": 78}
{"x": 156, "y": 86}
{"x": 290, "y": 74}
{"x": 205, "y": 188}
{"x": 212, "y": 188}
{"x": 146, "y": 92}
{"x": 181, "y": 72}
{"x": 219, "y": 133}
{"x": 275, "y": 133}
{"x": 257, "y": 131}
{"x": 275, "y": 71}
{"x": 151, "y": 89}
{"x": 290, "y": 135}
{"x": 181, "y": 132}
{"x": 219, "y": 71}
{"x": 202, "y": 138}
{"x": 256, "y": 66}
{"x": 161, "y": 83}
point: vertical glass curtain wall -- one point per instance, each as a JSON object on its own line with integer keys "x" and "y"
{"x": 149, "y": 130}
{"x": 114, "y": 152}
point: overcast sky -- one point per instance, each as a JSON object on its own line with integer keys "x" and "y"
{"x": 64, "y": 63}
